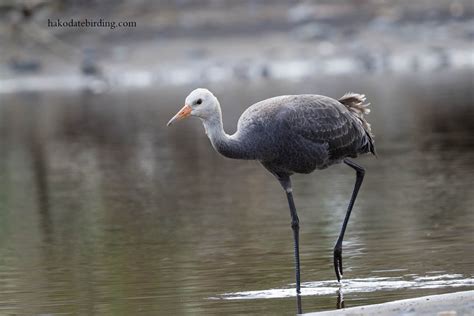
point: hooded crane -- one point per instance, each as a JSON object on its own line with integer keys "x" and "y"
{"x": 292, "y": 134}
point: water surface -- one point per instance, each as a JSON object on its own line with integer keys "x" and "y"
{"x": 104, "y": 210}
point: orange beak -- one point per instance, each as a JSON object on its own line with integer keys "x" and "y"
{"x": 183, "y": 113}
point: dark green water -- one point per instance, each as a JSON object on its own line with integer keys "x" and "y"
{"x": 105, "y": 211}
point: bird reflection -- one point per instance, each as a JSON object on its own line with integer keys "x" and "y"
{"x": 340, "y": 299}
{"x": 299, "y": 307}
{"x": 40, "y": 177}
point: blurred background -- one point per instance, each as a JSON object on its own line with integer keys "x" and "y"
{"x": 105, "y": 211}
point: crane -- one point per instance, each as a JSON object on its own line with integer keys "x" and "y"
{"x": 292, "y": 134}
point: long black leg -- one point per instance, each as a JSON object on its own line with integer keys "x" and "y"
{"x": 295, "y": 226}
{"x": 338, "y": 247}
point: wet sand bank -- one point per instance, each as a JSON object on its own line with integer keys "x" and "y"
{"x": 460, "y": 303}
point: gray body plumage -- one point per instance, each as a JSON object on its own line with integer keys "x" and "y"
{"x": 300, "y": 133}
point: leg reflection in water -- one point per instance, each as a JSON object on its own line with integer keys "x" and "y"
{"x": 298, "y": 304}
{"x": 340, "y": 299}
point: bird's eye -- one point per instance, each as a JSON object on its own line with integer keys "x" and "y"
{"x": 199, "y": 101}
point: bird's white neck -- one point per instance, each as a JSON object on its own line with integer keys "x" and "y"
{"x": 214, "y": 128}
{"x": 227, "y": 145}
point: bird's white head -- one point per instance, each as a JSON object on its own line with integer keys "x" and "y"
{"x": 201, "y": 103}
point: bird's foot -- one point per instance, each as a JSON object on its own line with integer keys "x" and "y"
{"x": 338, "y": 262}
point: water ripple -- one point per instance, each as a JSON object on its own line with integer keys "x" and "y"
{"x": 362, "y": 285}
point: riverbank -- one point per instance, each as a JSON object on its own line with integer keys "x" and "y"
{"x": 451, "y": 304}
{"x": 205, "y": 44}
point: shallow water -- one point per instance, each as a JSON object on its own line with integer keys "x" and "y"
{"x": 104, "y": 210}
{"x": 411, "y": 281}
